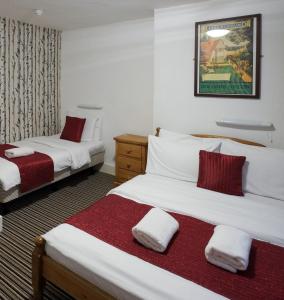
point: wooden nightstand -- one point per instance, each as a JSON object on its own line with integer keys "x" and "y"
{"x": 131, "y": 156}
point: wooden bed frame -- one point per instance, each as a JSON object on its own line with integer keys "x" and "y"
{"x": 45, "y": 268}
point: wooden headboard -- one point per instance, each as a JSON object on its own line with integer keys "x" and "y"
{"x": 220, "y": 137}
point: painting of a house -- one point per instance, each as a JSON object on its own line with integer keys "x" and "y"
{"x": 226, "y": 58}
{"x": 213, "y": 51}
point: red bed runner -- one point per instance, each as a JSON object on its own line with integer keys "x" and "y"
{"x": 111, "y": 219}
{"x": 35, "y": 170}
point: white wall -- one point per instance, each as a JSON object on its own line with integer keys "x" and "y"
{"x": 175, "y": 106}
{"x": 111, "y": 66}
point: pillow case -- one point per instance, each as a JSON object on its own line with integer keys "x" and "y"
{"x": 178, "y": 159}
{"x": 221, "y": 173}
{"x": 180, "y": 136}
{"x": 73, "y": 129}
{"x": 263, "y": 171}
{"x": 92, "y": 129}
{"x": 164, "y": 133}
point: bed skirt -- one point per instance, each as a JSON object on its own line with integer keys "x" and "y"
{"x": 14, "y": 193}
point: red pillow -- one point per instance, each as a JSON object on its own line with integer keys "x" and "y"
{"x": 73, "y": 129}
{"x": 221, "y": 173}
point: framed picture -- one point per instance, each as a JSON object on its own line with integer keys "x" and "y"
{"x": 227, "y": 57}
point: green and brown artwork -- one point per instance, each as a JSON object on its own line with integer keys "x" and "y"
{"x": 226, "y": 57}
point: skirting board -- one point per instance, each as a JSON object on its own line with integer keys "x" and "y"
{"x": 108, "y": 168}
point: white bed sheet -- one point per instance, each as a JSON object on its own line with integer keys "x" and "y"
{"x": 64, "y": 154}
{"x": 61, "y": 158}
{"x": 128, "y": 277}
{"x": 261, "y": 217}
{"x": 93, "y": 147}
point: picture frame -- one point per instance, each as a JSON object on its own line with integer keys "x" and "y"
{"x": 227, "y": 57}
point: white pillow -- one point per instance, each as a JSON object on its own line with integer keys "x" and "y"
{"x": 171, "y": 134}
{"x": 263, "y": 173}
{"x": 177, "y": 159}
{"x": 180, "y": 136}
{"x": 90, "y": 132}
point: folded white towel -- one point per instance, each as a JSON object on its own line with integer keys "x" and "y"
{"x": 155, "y": 230}
{"x": 18, "y": 152}
{"x": 229, "y": 248}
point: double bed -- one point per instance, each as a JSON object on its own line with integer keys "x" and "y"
{"x": 87, "y": 267}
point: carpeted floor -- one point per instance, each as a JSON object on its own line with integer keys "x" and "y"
{"x": 34, "y": 215}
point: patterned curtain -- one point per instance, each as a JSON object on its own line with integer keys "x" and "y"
{"x": 29, "y": 80}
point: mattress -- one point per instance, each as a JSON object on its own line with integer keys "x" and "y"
{"x": 94, "y": 147}
{"x": 128, "y": 277}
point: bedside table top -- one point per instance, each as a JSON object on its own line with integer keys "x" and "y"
{"x": 132, "y": 139}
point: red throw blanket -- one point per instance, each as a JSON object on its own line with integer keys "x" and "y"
{"x": 111, "y": 219}
{"x": 35, "y": 170}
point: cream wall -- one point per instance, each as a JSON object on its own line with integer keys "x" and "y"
{"x": 111, "y": 66}
{"x": 176, "y": 108}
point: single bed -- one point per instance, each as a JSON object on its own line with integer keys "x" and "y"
{"x": 89, "y": 268}
{"x": 68, "y": 158}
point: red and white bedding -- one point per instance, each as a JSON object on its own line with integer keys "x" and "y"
{"x": 127, "y": 276}
{"x": 262, "y": 217}
{"x": 31, "y": 168}
{"x": 64, "y": 154}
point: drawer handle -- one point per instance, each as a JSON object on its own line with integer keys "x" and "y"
{"x": 129, "y": 151}
{"x": 128, "y": 166}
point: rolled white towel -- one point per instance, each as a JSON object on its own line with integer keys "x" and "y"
{"x": 229, "y": 248}
{"x": 18, "y": 152}
{"x": 155, "y": 229}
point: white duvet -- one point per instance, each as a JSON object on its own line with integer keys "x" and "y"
{"x": 261, "y": 217}
{"x": 63, "y": 153}
{"x": 128, "y": 277}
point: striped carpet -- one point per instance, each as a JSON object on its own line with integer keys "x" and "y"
{"x": 35, "y": 214}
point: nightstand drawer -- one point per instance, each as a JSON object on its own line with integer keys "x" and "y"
{"x": 129, "y": 150}
{"x": 128, "y": 163}
{"x": 124, "y": 175}
{"x": 130, "y": 157}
